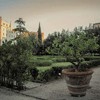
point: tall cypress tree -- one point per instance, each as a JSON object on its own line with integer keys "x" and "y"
{"x": 39, "y": 35}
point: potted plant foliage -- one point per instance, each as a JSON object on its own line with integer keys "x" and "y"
{"x": 75, "y": 48}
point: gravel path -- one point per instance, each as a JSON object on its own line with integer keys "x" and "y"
{"x": 9, "y": 95}
{"x": 56, "y": 90}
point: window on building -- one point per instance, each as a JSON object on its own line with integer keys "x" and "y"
{"x": 3, "y": 38}
{"x": 3, "y": 23}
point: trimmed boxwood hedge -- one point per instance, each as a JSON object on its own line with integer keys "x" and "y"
{"x": 92, "y": 63}
{"x": 42, "y": 62}
{"x": 55, "y": 72}
{"x": 59, "y": 59}
{"x": 92, "y": 58}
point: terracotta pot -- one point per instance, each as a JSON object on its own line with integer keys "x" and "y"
{"x": 77, "y": 82}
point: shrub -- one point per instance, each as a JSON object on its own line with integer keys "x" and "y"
{"x": 34, "y": 72}
{"x": 61, "y": 64}
{"x": 42, "y": 62}
{"x": 70, "y": 59}
{"x": 87, "y": 64}
{"x": 46, "y": 75}
{"x": 50, "y": 74}
{"x": 93, "y": 63}
{"x": 14, "y": 63}
{"x": 92, "y": 58}
{"x": 56, "y": 72}
{"x": 59, "y": 59}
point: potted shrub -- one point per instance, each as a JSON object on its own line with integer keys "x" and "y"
{"x": 75, "y": 48}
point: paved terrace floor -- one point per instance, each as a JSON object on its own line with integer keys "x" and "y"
{"x": 56, "y": 90}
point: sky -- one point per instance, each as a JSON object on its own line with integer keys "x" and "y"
{"x": 53, "y": 15}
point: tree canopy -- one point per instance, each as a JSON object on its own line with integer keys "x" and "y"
{"x": 20, "y": 26}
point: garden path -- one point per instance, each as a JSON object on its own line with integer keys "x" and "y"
{"x": 56, "y": 90}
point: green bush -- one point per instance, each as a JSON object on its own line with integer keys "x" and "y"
{"x": 34, "y": 72}
{"x": 87, "y": 64}
{"x": 93, "y": 63}
{"x": 59, "y": 59}
{"x": 71, "y": 59}
{"x": 56, "y": 72}
{"x": 92, "y": 58}
{"x": 43, "y": 62}
{"x": 61, "y": 64}
{"x": 14, "y": 63}
{"x": 45, "y": 76}
{"x": 50, "y": 74}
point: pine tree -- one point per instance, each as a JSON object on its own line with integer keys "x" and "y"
{"x": 20, "y": 26}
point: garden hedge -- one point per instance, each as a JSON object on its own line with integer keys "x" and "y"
{"x": 55, "y": 72}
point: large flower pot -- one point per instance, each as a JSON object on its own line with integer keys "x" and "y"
{"x": 78, "y": 82}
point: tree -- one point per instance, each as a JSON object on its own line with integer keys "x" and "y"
{"x": 20, "y": 26}
{"x": 14, "y": 62}
{"x": 34, "y": 43}
{"x": 94, "y": 31}
{"x": 76, "y": 46}
{"x": 51, "y": 40}
{"x": 39, "y": 35}
{"x": 40, "y": 46}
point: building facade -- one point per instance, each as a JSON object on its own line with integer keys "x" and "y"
{"x": 96, "y": 25}
{"x": 26, "y": 34}
{"x": 6, "y": 32}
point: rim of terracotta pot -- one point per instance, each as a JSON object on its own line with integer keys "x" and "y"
{"x": 67, "y": 72}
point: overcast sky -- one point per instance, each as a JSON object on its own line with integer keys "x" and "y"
{"x": 54, "y": 15}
